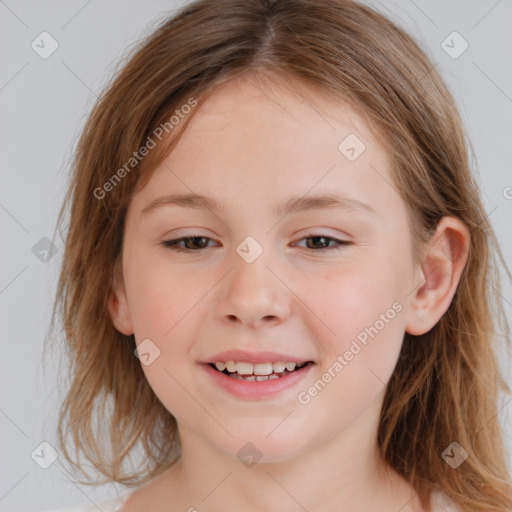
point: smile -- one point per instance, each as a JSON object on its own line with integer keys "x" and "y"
{"x": 256, "y": 381}
{"x": 256, "y": 372}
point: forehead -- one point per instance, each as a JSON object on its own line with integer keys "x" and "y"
{"x": 275, "y": 102}
{"x": 252, "y": 139}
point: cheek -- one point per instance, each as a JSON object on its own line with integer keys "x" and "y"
{"x": 154, "y": 310}
{"x": 362, "y": 321}
{"x": 165, "y": 308}
{"x": 364, "y": 311}
{"x": 351, "y": 297}
{"x": 159, "y": 296}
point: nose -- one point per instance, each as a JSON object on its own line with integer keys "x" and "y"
{"x": 253, "y": 295}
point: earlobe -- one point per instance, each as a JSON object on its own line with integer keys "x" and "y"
{"x": 118, "y": 306}
{"x": 440, "y": 269}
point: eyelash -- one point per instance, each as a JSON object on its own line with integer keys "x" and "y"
{"x": 173, "y": 244}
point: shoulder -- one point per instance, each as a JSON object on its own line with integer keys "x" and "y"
{"x": 110, "y": 505}
{"x": 441, "y": 503}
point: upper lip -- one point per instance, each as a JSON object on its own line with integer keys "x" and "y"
{"x": 255, "y": 357}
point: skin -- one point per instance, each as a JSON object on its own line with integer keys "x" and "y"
{"x": 249, "y": 147}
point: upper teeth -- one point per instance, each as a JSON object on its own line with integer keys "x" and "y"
{"x": 244, "y": 368}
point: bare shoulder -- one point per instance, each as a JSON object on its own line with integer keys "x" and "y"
{"x": 151, "y": 495}
{"x": 441, "y": 503}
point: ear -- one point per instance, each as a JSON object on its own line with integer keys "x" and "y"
{"x": 438, "y": 273}
{"x": 118, "y": 303}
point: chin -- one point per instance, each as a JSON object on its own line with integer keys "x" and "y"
{"x": 256, "y": 447}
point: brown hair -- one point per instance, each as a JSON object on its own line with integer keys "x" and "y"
{"x": 446, "y": 384}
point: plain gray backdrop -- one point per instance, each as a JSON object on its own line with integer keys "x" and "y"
{"x": 44, "y": 103}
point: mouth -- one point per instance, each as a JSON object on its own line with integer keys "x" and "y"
{"x": 259, "y": 372}
{"x": 249, "y": 375}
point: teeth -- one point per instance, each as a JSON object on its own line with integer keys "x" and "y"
{"x": 244, "y": 368}
{"x": 263, "y": 369}
{"x": 266, "y": 377}
{"x": 230, "y": 366}
{"x": 260, "y": 369}
{"x": 279, "y": 367}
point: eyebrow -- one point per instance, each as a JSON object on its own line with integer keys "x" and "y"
{"x": 293, "y": 205}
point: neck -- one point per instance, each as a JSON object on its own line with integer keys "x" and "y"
{"x": 344, "y": 472}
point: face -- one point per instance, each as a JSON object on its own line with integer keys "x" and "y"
{"x": 301, "y": 253}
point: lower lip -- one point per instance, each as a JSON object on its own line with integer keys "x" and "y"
{"x": 256, "y": 390}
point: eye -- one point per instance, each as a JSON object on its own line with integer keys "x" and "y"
{"x": 191, "y": 243}
{"x": 318, "y": 242}
{"x": 314, "y": 242}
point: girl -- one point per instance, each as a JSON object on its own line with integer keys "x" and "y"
{"x": 279, "y": 274}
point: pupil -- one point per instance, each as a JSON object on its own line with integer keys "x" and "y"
{"x": 196, "y": 241}
{"x": 315, "y": 240}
